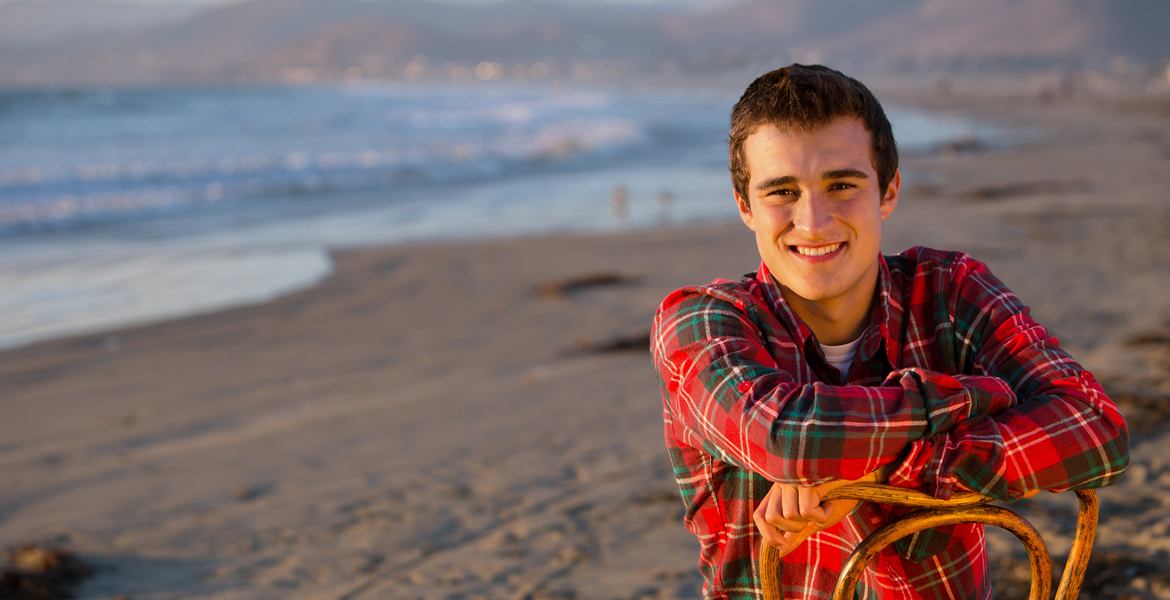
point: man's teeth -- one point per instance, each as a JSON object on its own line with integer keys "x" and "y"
{"x": 821, "y": 251}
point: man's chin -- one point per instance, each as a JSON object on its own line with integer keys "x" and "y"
{"x": 797, "y": 279}
{"x": 807, "y": 292}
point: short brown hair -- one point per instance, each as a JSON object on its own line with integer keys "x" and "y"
{"x": 804, "y": 97}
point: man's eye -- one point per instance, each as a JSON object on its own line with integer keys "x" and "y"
{"x": 841, "y": 186}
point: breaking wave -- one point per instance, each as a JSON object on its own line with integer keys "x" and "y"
{"x": 249, "y": 146}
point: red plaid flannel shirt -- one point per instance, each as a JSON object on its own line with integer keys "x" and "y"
{"x": 953, "y": 381}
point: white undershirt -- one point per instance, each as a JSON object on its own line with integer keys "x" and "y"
{"x": 841, "y": 356}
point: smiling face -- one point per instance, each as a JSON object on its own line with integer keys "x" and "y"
{"x": 816, "y": 207}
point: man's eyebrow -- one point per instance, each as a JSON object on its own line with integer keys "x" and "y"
{"x": 845, "y": 174}
{"x": 775, "y": 182}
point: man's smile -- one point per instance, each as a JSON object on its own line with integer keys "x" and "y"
{"x": 817, "y": 253}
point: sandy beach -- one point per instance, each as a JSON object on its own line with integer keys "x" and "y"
{"x": 481, "y": 420}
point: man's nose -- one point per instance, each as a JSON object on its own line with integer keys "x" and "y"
{"x": 811, "y": 215}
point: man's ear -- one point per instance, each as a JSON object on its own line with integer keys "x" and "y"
{"x": 890, "y": 199}
{"x": 745, "y": 211}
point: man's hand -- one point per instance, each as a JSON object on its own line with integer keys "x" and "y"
{"x": 790, "y": 514}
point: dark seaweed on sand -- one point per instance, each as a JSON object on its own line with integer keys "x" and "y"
{"x": 32, "y": 572}
{"x": 562, "y": 288}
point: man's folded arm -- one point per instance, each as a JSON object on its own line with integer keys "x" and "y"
{"x": 1063, "y": 432}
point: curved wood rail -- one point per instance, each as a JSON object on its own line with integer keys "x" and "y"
{"x": 961, "y": 508}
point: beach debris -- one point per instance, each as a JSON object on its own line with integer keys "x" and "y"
{"x": 1025, "y": 188}
{"x": 35, "y": 572}
{"x": 564, "y": 287}
{"x": 662, "y": 497}
{"x": 369, "y": 563}
{"x": 963, "y": 145}
{"x": 1148, "y": 339}
{"x": 638, "y": 341}
{"x": 243, "y": 494}
{"x": 250, "y": 492}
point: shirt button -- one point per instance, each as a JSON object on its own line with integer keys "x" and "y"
{"x": 744, "y": 386}
{"x": 1088, "y": 376}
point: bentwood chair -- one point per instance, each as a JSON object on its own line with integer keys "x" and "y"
{"x": 961, "y": 508}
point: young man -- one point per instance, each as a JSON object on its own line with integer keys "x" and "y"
{"x": 833, "y": 364}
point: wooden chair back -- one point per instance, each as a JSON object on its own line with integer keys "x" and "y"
{"x": 961, "y": 508}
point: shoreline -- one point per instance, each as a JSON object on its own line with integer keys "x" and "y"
{"x": 477, "y": 419}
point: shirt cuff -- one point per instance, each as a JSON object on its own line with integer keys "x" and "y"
{"x": 911, "y": 472}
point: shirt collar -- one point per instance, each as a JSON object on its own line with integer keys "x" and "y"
{"x": 885, "y": 322}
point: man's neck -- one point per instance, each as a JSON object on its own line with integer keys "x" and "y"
{"x": 834, "y": 321}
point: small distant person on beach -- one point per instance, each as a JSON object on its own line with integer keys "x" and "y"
{"x": 665, "y": 203}
{"x": 833, "y": 364}
{"x": 618, "y": 198}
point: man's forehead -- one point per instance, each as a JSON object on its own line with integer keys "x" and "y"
{"x": 843, "y": 145}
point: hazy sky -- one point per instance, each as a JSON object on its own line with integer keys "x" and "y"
{"x": 212, "y": 2}
{"x": 190, "y": 2}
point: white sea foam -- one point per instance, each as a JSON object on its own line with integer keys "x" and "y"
{"x": 46, "y": 295}
{"x": 57, "y": 196}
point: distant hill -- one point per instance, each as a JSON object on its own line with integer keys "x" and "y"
{"x": 311, "y": 39}
{"x": 40, "y": 22}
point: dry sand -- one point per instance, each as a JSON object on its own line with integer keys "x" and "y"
{"x": 454, "y": 421}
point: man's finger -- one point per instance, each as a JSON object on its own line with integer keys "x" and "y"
{"x": 838, "y": 509}
{"x": 792, "y": 540}
{"x": 810, "y": 505}
{"x": 772, "y": 536}
{"x": 790, "y": 503}
{"x": 775, "y": 513}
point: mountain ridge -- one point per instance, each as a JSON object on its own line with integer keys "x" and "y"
{"x": 269, "y": 39}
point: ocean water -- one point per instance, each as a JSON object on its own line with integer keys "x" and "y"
{"x": 127, "y": 206}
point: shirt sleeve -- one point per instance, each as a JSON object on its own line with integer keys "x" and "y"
{"x": 1063, "y": 431}
{"x": 726, "y": 394}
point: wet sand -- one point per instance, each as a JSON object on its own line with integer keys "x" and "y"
{"x": 481, "y": 420}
